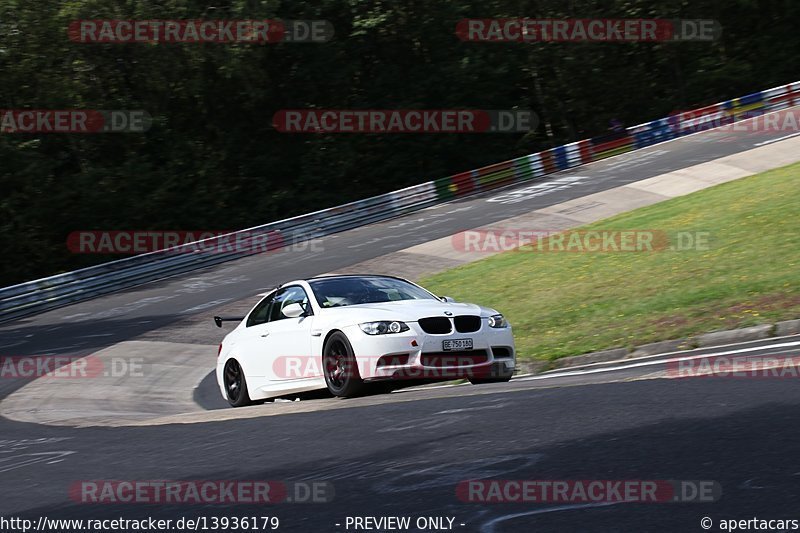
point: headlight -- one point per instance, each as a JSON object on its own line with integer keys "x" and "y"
{"x": 498, "y": 321}
{"x": 383, "y": 327}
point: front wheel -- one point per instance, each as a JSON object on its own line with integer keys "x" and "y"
{"x": 341, "y": 371}
{"x": 235, "y": 384}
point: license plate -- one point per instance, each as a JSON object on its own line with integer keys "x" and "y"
{"x": 457, "y": 344}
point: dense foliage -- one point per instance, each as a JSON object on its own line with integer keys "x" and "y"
{"x": 212, "y": 159}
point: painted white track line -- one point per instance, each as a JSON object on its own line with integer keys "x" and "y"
{"x": 489, "y": 526}
{"x": 778, "y": 139}
{"x": 661, "y": 355}
{"x": 657, "y": 362}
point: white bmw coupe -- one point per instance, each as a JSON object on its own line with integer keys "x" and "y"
{"x": 344, "y": 332}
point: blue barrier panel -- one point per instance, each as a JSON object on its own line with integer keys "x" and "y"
{"x": 560, "y": 153}
{"x": 751, "y": 99}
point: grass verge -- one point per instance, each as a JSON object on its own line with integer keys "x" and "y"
{"x": 564, "y": 304}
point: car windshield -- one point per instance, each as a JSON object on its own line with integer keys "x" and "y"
{"x": 339, "y": 292}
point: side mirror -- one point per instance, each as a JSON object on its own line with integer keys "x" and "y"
{"x": 294, "y": 310}
{"x": 447, "y": 299}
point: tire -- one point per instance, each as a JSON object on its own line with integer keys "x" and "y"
{"x": 235, "y": 384}
{"x": 339, "y": 364}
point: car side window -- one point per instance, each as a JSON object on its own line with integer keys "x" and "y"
{"x": 260, "y": 314}
{"x": 284, "y": 297}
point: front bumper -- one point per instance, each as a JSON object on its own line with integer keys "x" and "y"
{"x": 415, "y": 354}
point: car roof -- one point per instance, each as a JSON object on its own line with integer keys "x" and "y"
{"x": 345, "y": 276}
{"x": 335, "y": 276}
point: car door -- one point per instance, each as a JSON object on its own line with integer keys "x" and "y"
{"x": 277, "y": 347}
{"x": 290, "y": 338}
{"x": 253, "y": 342}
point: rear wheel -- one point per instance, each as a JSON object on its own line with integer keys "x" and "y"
{"x": 341, "y": 371}
{"x": 235, "y": 384}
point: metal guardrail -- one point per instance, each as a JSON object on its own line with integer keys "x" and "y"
{"x": 49, "y": 293}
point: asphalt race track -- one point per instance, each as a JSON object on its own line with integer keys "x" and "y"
{"x": 406, "y": 457}
{"x": 403, "y": 454}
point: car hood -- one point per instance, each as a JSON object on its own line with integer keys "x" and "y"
{"x": 405, "y": 310}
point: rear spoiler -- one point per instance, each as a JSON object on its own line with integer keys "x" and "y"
{"x": 218, "y": 320}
